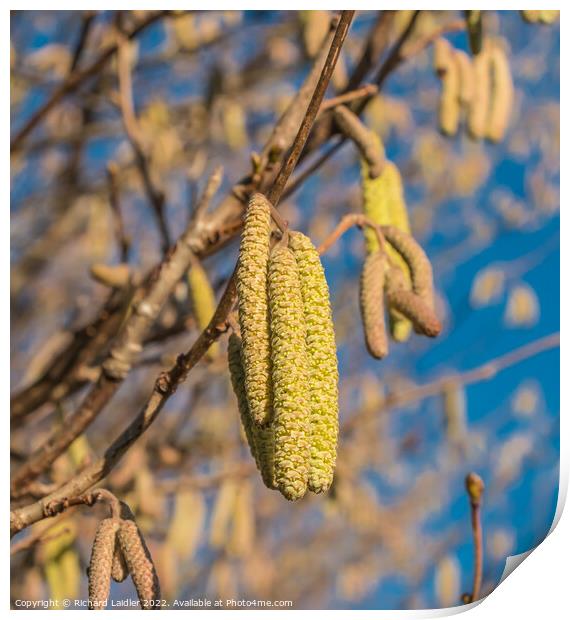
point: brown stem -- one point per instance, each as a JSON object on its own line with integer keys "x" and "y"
{"x": 75, "y": 79}
{"x": 278, "y": 186}
{"x": 364, "y": 91}
{"x": 475, "y": 488}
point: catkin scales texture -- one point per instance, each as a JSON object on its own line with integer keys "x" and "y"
{"x": 139, "y": 563}
{"x": 101, "y": 563}
{"x": 290, "y": 371}
{"x": 322, "y": 360}
{"x": 253, "y": 309}
{"x": 259, "y": 439}
{"x": 372, "y": 304}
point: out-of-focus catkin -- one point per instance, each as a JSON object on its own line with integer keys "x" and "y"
{"x": 140, "y": 564}
{"x": 101, "y": 562}
{"x": 384, "y": 204}
{"x": 466, "y": 77}
{"x": 290, "y": 371}
{"x": 447, "y": 68}
{"x": 479, "y": 108}
{"x": 259, "y": 439}
{"x": 502, "y": 93}
{"x": 202, "y": 298}
{"x": 253, "y": 309}
{"x": 372, "y": 304}
{"x": 323, "y": 366}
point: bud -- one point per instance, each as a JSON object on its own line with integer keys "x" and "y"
{"x": 475, "y": 487}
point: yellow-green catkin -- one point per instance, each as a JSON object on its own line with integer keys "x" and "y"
{"x": 474, "y": 21}
{"x": 479, "y": 107}
{"x": 323, "y": 365}
{"x": 101, "y": 562}
{"x": 372, "y": 304}
{"x": 259, "y": 439}
{"x": 290, "y": 372}
{"x": 384, "y": 204}
{"x": 140, "y": 564}
{"x": 253, "y": 307}
{"x": 502, "y": 94}
{"x": 202, "y": 298}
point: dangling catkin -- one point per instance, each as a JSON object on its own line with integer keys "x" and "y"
{"x": 447, "y": 68}
{"x": 202, "y": 298}
{"x": 259, "y": 439}
{"x": 384, "y": 204}
{"x": 290, "y": 371}
{"x": 323, "y": 368}
{"x": 418, "y": 263}
{"x": 502, "y": 94}
{"x": 140, "y": 564}
{"x": 479, "y": 107}
{"x": 372, "y": 304}
{"x": 466, "y": 77}
{"x": 415, "y": 309}
{"x": 253, "y": 310}
{"x": 119, "y": 570}
{"x": 99, "y": 571}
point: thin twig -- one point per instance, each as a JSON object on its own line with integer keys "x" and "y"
{"x": 123, "y": 241}
{"x": 76, "y": 79}
{"x": 475, "y": 488}
{"x": 86, "y": 23}
{"x": 364, "y": 91}
{"x": 278, "y": 186}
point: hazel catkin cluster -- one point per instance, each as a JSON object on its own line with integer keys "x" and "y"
{"x": 295, "y": 449}
{"x": 482, "y": 88}
{"x": 118, "y": 550}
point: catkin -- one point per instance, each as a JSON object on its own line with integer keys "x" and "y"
{"x": 478, "y": 109}
{"x": 417, "y": 261}
{"x": 447, "y": 68}
{"x": 259, "y": 439}
{"x": 466, "y": 77}
{"x": 119, "y": 570}
{"x": 416, "y": 310}
{"x": 253, "y": 309}
{"x": 372, "y": 304}
{"x": 202, "y": 298}
{"x": 384, "y": 204}
{"x": 502, "y": 94}
{"x": 290, "y": 371}
{"x": 140, "y": 564}
{"x": 323, "y": 367}
{"x": 100, "y": 564}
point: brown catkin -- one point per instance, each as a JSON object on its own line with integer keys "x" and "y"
{"x": 140, "y": 564}
{"x": 323, "y": 366}
{"x": 502, "y": 94}
{"x": 119, "y": 570}
{"x": 259, "y": 439}
{"x": 253, "y": 308}
{"x": 372, "y": 304}
{"x": 99, "y": 571}
{"x": 416, "y": 310}
{"x": 417, "y": 261}
{"x": 290, "y": 372}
